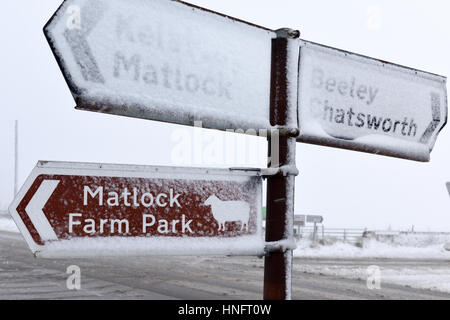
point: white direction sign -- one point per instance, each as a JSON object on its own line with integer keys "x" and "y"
{"x": 355, "y": 102}
{"x": 164, "y": 60}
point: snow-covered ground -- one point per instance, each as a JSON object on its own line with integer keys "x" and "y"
{"x": 419, "y": 276}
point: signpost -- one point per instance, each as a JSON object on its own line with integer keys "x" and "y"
{"x": 359, "y": 103}
{"x": 164, "y": 60}
{"x": 74, "y": 209}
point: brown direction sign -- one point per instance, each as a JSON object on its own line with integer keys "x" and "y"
{"x": 91, "y": 209}
{"x": 164, "y": 60}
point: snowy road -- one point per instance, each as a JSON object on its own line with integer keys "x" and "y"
{"x": 24, "y": 277}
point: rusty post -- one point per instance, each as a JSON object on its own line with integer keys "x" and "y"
{"x": 280, "y": 187}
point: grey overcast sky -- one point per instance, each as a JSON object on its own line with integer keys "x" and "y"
{"x": 349, "y": 189}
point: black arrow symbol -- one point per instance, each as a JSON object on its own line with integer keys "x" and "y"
{"x": 77, "y": 40}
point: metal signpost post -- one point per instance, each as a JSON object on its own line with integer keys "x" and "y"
{"x": 128, "y": 58}
{"x": 164, "y": 60}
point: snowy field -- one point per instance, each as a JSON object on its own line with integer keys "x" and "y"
{"x": 411, "y": 274}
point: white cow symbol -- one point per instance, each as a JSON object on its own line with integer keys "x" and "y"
{"x": 229, "y": 211}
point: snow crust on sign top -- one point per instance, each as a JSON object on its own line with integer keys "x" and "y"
{"x": 174, "y": 62}
{"x": 351, "y": 101}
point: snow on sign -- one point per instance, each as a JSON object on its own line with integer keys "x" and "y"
{"x": 78, "y": 210}
{"x": 355, "y": 102}
{"x": 164, "y": 60}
